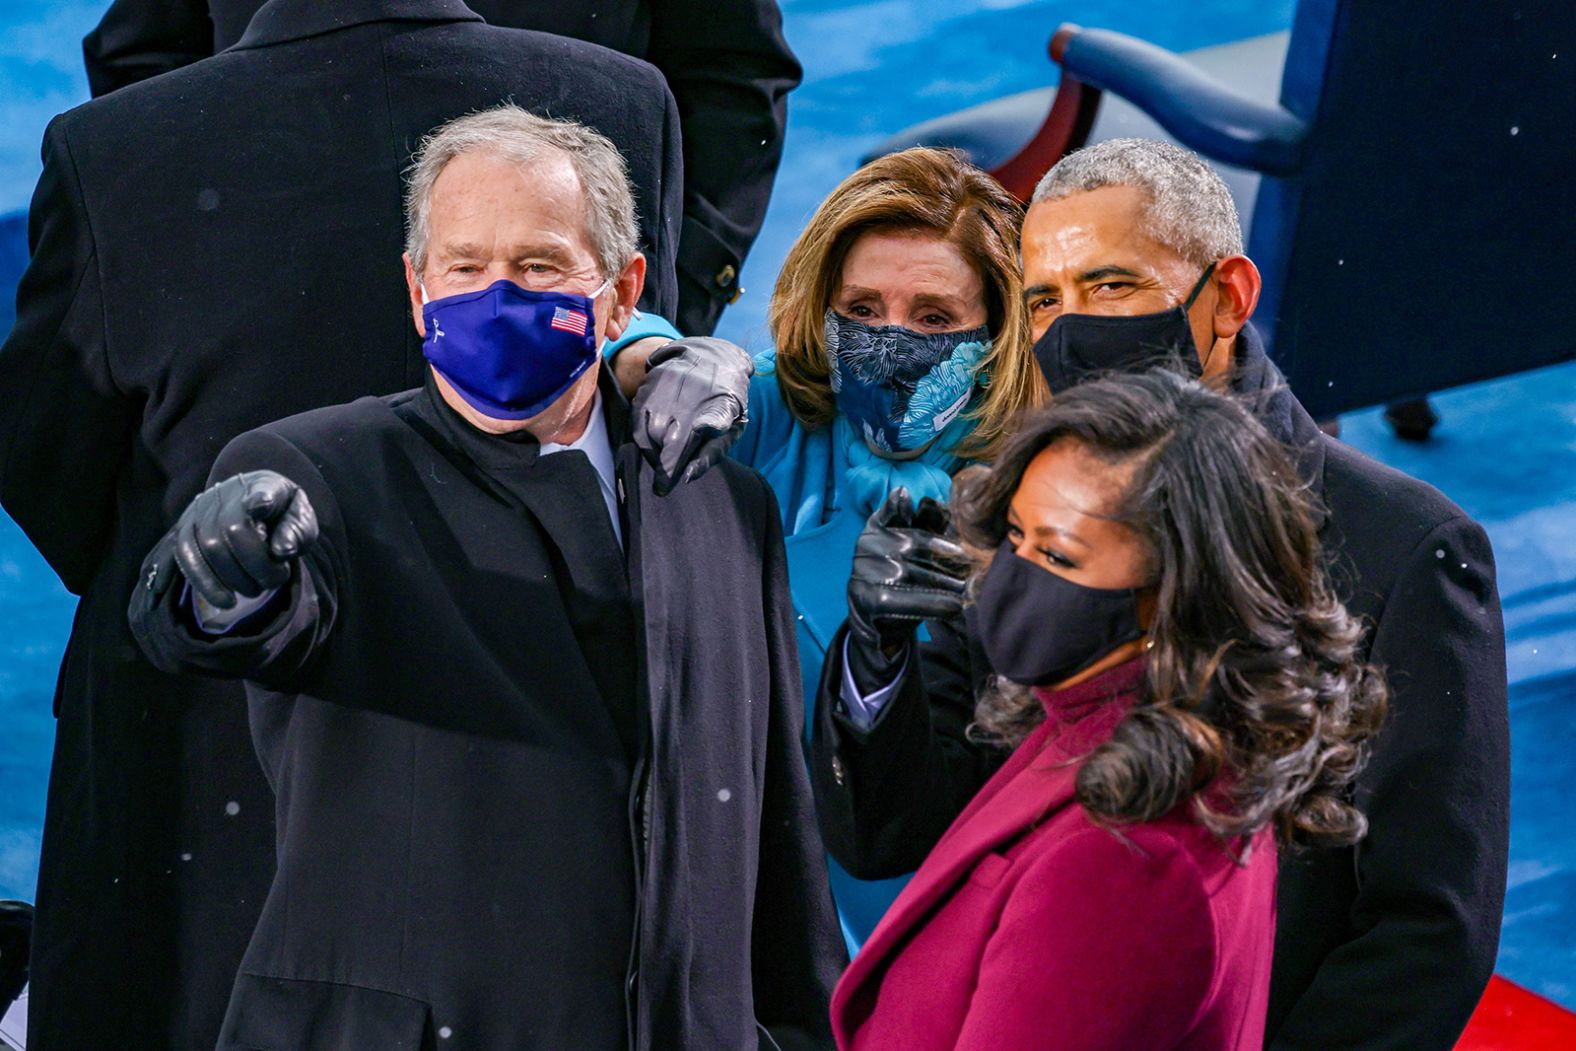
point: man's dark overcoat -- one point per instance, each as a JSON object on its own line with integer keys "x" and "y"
{"x": 214, "y": 250}
{"x": 498, "y": 754}
{"x": 725, "y": 60}
{"x": 1387, "y": 944}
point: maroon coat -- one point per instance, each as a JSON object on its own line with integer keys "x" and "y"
{"x": 1028, "y": 927}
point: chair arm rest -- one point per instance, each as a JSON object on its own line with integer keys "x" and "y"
{"x": 1202, "y": 114}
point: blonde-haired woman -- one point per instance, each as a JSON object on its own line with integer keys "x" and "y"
{"x": 901, "y": 355}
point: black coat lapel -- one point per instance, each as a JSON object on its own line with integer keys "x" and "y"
{"x": 563, "y": 498}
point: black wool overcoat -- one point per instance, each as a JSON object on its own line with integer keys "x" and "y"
{"x": 213, "y": 250}
{"x": 1385, "y": 945}
{"x": 726, "y": 61}
{"x": 527, "y": 798}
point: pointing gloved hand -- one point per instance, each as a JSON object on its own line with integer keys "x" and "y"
{"x": 690, "y": 407}
{"x": 239, "y": 537}
{"x": 905, "y": 571}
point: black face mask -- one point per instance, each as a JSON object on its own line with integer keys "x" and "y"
{"x": 1038, "y": 628}
{"x": 1078, "y": 347}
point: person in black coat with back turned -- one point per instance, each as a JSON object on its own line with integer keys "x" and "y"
{"x": 541, "y": 780}
{"x": 213, "y": 250}
{"x": 1132, "y": 257}
{"x": 725, "y": 60}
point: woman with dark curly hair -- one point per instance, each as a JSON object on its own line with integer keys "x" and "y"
{"x": 1181, "y": 691}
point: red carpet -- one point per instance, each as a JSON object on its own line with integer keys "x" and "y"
{"x": 1510, "y": 1018}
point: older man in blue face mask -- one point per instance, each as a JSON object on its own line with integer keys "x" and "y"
{"x": 540, "y": 777}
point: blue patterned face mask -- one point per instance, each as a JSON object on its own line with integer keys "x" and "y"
{"x": 901, "y": 388}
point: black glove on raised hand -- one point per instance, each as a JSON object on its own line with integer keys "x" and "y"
{"x": 690, "y": 407}
{"x": 240, "y": 537}
{"x": 905, "y": 571}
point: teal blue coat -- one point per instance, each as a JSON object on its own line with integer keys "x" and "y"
{"x": 826, "y": 486}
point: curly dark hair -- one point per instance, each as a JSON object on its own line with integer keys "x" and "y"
{"x": 1257, "y": 707}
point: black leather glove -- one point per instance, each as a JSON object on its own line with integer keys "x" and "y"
{"x": 905, "y": 571}
{"x": 690, "y": 407}
{"x": 240, "y": 537}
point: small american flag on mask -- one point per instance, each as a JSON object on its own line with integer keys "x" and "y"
{"x": 567, "y": 320}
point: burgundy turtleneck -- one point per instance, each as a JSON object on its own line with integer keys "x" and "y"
{"x": 1080, "y": 717}
{"x": 1030, "y": 926}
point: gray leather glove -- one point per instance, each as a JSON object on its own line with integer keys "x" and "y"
{"x": 905, "y": 571}
{"x": 690, "y": 407}
{"x": 239, "y": 537}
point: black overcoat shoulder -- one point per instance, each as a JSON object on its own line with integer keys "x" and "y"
{"x": 466, "y": 844}
{"x": 212, "y": 250}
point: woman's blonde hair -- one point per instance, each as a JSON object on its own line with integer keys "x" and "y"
{"x": 917, "y": 189}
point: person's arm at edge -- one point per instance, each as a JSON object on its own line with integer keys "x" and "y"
{"x": 1431, "y": 872}
{"x": 730, "y": 70}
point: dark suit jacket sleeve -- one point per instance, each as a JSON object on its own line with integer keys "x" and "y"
{"x": 293, "y": 631}
{"x": 65, "y": 424}
{"x": 885, "y": 795}
{"x": 1431, "y": 873}
{"x": 138, "y": 39}
{"x": 730, "y": 70}
{"x": 797, "y": 947}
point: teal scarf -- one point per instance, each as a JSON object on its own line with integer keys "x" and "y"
{"x": 870, "y": 477}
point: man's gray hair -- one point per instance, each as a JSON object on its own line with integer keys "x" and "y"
{"x": 521, "y": 137}
{"x": 1189, "y": 209}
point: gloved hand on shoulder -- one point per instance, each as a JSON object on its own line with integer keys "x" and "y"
{"x": 691, "y": 407}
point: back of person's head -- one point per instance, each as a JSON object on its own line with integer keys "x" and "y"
{"x": 522, "y": 138}
{"x": 1188, "y": 207}
{"x": 1257, "y": 705}
{"x": 924, "y": 190}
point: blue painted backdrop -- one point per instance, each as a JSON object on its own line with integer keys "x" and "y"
{"x": 1507, "y": 450}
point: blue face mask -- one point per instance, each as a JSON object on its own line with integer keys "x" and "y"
{"x": 508, "y": 352}
{"x": 901, "y": 388}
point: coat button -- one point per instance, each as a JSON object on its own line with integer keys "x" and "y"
{"x": 725, "y": 280}
{"x": 838, "y": 773}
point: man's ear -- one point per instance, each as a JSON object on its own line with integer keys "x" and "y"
{"x": 1237, "y": 286}
{"x": 626, "y": 293}
{"x": 414, "y": 287}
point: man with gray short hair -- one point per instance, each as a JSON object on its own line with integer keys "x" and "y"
{"x": 534, "y": 731}
{"x": 1133, "y": 256}
{"x": 1133, "y": 259}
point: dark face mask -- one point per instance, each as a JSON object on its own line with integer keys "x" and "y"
{"x": 1039, "y": 629}
{"x": 1078, "y": 347}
